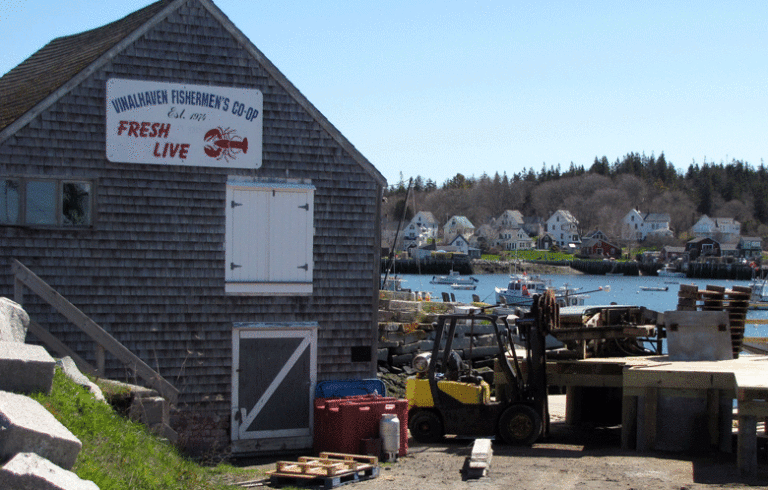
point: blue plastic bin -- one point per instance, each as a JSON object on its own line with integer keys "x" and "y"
{"x": 349, "y": 387}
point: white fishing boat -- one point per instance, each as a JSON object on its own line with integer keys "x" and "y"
{"x": 654, "y": 288}
{"x": 759, "y": 294}
{"x": 453, "y": 278}
{"x": 392, "y": 283}
{"x": 467, "y": 287}
{"x": 522, "y": 288}
{"x": 669, "y": 271}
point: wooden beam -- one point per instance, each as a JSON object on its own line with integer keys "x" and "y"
{"x": 746, "y": 455}
{"x": 628, "y": 422}
{"x": 647, "y": 439}
{"x": 57, "y": 346}
{"x": 98, "y": 334}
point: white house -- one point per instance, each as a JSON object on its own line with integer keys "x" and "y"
{"x": 638, "y": 226}
{"x": 514, "y": 239}
{"x": 485, "y": 235}
{"x": 458, "y": 225}
{"x": 458, "y": 244}
{"x": 420, "y": 230}
{"x": 722, "y": 229}
{"x": 564, "y": 228}
{"x": 510, "y": 219}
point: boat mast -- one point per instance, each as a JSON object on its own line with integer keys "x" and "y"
{"x": 391, "y": 264}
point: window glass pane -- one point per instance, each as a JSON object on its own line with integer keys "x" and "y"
{"x": 41, "y": 203}
{"x": 9, "y": 201}
{"x": 76, "y": 203}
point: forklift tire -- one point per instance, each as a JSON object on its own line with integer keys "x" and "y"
{"x": 426, "y": 426}
{"x": 520, "y": 424}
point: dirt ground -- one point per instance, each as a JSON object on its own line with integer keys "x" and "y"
{"x": 570, "y": 458}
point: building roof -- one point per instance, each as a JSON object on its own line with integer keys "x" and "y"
{"x": 566, "y": 214}
{"x": 724, "y": 221}
{"x": 56, "y": 68}
{"x": 427, "y": 215}
{"x": 461, "y": 221}
{"x": 514, "y": 214}
{"x": 663, "y": 217}
{"x": 671, "y": 249}
{"x": 702, "y": 239}
{"x": 56, "y": 63}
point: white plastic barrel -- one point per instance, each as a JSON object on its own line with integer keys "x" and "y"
{"x": 389, "y": 428}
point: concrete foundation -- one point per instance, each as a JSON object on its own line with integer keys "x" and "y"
{"x": 26, "y": 426}
{"x": 13, "y": 321}
{"x": 28, "y": 471}
{"x": 25, "y": 368}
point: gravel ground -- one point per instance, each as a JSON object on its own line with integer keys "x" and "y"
{"x": 571, "y": 458}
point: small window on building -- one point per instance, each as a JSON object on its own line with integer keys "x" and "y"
{"x": 361, "y": 353}
{"x": 9, "y": 201}
{"x": 45, "y": 202}
{"x": 76, "y": 203}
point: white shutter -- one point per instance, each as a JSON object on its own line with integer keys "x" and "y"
{"x": 269, "y": 237}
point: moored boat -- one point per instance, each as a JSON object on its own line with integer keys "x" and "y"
{"x": 654, "y": 288}
{"x": 392, "y": 283}
{"x": 453, "y": 278}
{"x": 468, "y": 287}
{"x": 522, "y": 288}
{"x": 759, "y": 298}
{"x": 669, "y": 271}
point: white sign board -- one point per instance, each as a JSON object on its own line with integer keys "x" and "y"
{"x": 180, "y": 124}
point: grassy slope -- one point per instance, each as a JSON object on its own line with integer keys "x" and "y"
{"x": 120, "y": 454}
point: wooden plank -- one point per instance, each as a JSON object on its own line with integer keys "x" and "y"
{"x": 98, "y": 334}
{"x": 18, "y": 291}
{"x": 754, "y": 408}
{"x": 628, "y": 422}
{"x": 747, "y": 445}
{"x": 57, "y": 346}
{"x": 650, "y": 403}
{"x": 713, "y": 417}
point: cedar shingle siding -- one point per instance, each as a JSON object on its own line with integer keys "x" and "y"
{"x": 151, "y": 268}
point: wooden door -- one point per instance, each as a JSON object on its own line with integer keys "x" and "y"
{"x": 273, "y": 382}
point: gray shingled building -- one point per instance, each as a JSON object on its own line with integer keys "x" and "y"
{"x": 165, "y": 178}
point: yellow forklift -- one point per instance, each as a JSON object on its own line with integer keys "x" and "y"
{"x": 446, "y": 396}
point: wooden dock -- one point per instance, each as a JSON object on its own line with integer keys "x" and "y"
{"x": 659, "y": 395}
{"x": 681, "y": 402}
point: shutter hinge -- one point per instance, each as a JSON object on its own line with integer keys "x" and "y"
{"x": 233, "y": 266}
{"x": 305, "y": 267}
{"x": 305, "y": 207}
{"x": 235, "y": 204}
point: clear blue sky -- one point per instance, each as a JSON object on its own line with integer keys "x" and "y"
{"x": 439, "y": 88}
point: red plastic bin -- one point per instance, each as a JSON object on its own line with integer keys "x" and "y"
{"x": 341, "y": 424}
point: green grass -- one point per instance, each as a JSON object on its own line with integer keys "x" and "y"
{"x": 120, "y": 454}
{"x": 529, "y": 255}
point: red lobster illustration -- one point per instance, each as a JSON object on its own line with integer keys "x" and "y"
{"x": 224, "y": 143}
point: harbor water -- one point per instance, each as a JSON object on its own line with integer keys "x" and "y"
{"x": 624, "y": 290}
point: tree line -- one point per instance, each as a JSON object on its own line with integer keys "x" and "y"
{"x": 598, "y": 196}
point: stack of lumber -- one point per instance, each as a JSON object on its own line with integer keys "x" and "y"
{"x": 716, "y": 298}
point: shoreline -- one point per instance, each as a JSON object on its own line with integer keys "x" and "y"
{"x": 497, "y": 267}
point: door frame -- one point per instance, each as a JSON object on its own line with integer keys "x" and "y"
{"x": 288, "y": 439}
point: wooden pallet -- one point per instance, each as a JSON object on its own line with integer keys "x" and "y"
{"x": 716, "y": 298}
{"x": 329, "y": 470}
